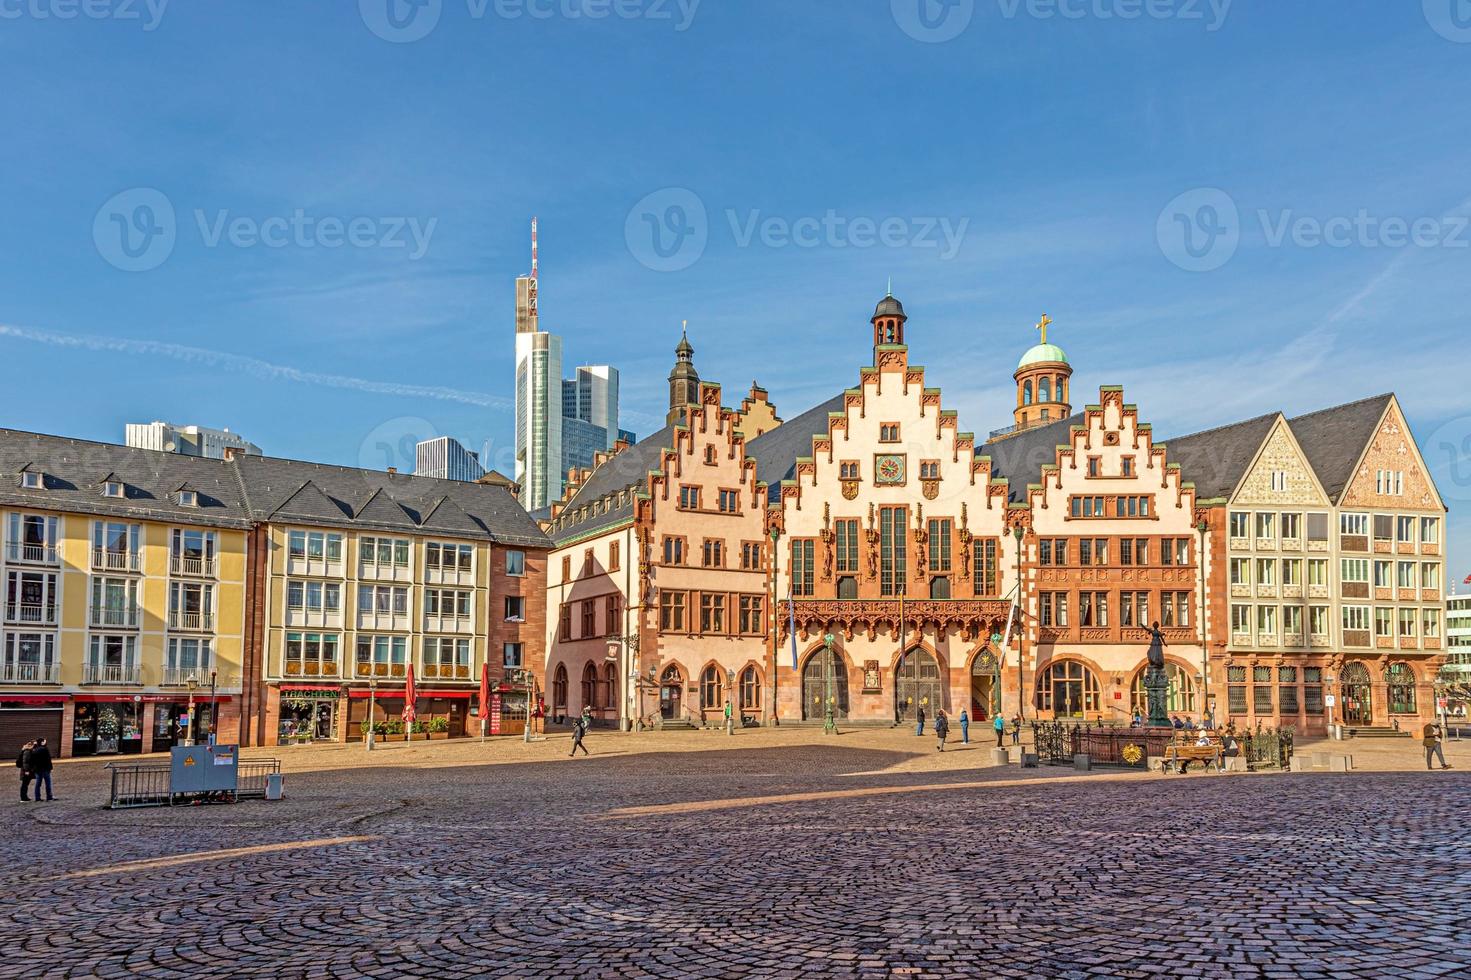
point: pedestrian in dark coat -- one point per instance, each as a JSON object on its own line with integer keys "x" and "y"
{"x": 579, "y": 729}
{"x": 23, "y": 763}
{"x": 920, "y": 716}
{"x": 942, "y": 727}
{"x": 41, "y": 766}
{"x": 964, "y": 727}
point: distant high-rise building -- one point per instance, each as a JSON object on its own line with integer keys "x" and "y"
{"x": 446, "y": 459}
{"x": 187, "y": 440}
{"x": 538, "y": 397}
{"x": 589, "y": 415}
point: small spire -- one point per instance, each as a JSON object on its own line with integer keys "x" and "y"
{"x": 685, "y": 330}
{"x": 891, "y": 287}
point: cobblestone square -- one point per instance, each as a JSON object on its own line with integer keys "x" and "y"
{"x": 770, "y": 854}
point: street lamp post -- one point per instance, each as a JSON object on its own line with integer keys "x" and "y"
{"x": 1332, "y": 701}
{"x": 530, "y": 699}
{"x": 189, "y": 729}
{"x": 829, "y": 723}
{"x": 369, "y": 732}
{"x": 213, "y": 678}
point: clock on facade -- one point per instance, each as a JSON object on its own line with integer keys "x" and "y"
{"x": 889, "y": 470}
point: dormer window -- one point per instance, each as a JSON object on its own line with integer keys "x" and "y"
{"x": 188, "y": 498}
{"x": 112, "y": 488}
{"x": 31, "y": 480}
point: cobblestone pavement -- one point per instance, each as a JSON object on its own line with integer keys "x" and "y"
{"x": 764, "y": 855}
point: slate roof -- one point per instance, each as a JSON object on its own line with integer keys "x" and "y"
{"x": 1334, "y": 439}
{"x": 1216, "y": 460}
{"x": 776, "y": 452}
{"x": 288, "y": 490}
{"x": 1020, "y": 458}
{"x": 627, "y": 471}
{"x": 75, "y": 469}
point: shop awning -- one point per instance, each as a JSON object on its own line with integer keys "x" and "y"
{"x": 35, "y": 698}
{"x": 397, "y": 693}
{"x": 183, "y": 697}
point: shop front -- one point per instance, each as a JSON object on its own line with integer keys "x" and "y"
{"x": 108, "y": 725}
{"x": 439, "y": 714}
{"x": 308, "y": 715}
{"x": 25, "y": 718}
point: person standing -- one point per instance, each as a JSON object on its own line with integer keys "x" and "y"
{"x": 942, "y": 727}
{"x": 586, "y": 718}
{"x": 23, "y": 763}
{"x": 920, "y": 715}
{"x": 1016, "y": 729}
{"x": 41, "y": 767}
{"x": 1430, "y": 738}
{"x": 964, "y": 727}
{"x": 729, "y": 720}
{"x": 1000, "y": 725}
{"x": 579, "y": 729}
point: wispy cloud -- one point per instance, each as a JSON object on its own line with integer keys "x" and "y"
{"x": 254, "y": 367}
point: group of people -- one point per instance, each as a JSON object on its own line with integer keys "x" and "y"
{"x": 942, "y": 727}
{"x": 1176, "y": 722}
{"x": 34, "y": 763}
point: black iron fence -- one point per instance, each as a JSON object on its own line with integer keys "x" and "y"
{"x": 1057, "y": 742}
{"x": 1267, "y": 748}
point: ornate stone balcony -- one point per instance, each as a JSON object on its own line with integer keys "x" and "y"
{"x": 814, "y": 617}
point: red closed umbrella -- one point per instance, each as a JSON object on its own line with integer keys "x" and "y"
{"x": 484, "y": 698}
{"x": 410, "y": 695}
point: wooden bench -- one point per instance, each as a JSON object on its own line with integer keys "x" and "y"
{"x": 1184, "y": 751}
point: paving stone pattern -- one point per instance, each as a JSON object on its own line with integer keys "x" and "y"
{"x": 530, "y": 869}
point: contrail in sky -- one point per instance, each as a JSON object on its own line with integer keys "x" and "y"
{"x": 250, "y": 365}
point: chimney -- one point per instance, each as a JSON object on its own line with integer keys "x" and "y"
{"x": 231, "y": 452}
{"x": 392, "y": 470}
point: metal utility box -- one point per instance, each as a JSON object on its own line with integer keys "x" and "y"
{"x": 204, "y": 769}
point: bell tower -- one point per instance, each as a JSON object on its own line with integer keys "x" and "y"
{"x": 1042, "y": 381}
{"x": 888, "y": 323}
{"x": 684, "y": 380}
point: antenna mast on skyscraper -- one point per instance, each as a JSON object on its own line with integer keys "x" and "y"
{"x": 533, "y": 304}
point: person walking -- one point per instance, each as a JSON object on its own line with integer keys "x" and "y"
{"x": 586, "y": 717}
{"x": 964, "y": 727}
{"x": 729, "y": 720}
{"x": 920, "y": 715}
{"x": 942, "y": 727}
{"x": 23, "y": 763}
{"x": 41, "y": 767}
{"x": 1016, "y": 729}
{"x": 1000, "y": 725}
{"x": 1430, "y": 738}
{"x": 579, "y": 729}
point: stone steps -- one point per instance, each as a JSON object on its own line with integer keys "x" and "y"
{"x": 1375, "y": 731}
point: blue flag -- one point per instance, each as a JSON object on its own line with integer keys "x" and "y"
{"x": 792, "y": 627}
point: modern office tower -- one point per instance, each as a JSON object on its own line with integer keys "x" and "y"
{"x": 589, "y": 415}
{"x": 446, "y": 459}
{"x": 187, "y": 440}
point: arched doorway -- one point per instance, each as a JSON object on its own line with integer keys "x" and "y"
{"x": 823, "y": 668}
{"x": 917, "y": 685}
{"x": 1358, "y": 701}
{"x": 1400, "y": 678}
{"x": 671, "y": 688}
{"x": 559, "y": 691}
{"x": 590, "y": 688}
{"x": 985, "y": 686}
{"x": 1068, "y": 689}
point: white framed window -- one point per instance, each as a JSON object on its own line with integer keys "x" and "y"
{"x": 1354, "y": 525}
{"x": 1430, "y": 575}
{"x": 1240, "y": 571}
{"x": 1241, "y": 619}
{"x": 512, "y": 654}
{"x": 1266, "y": 620}
{"x": 1266, "y": 571}
{"x": 1355, "y": 570}
{"x": 31, "y": 480}
{"x": 1240, "y": 524}
{"x": 1318, "y": 572}
{"x": 112, "y": 488}
{"x": 1429, "y": 530}
{"x": 516, "y": 563}
{"x": 1266, "y": 527}
{"x": 1390, "y": 483}
{"x": 384, "y": 553}
{"x": 1356, "y": 618}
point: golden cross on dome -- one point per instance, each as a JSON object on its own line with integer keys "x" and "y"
{"x": 1046, "y": 322}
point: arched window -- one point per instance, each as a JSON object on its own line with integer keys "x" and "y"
{"x": 1401, "y": 680}
{"x": 1182, "y": 691}
{"x": 559, "y": 690}
{"x": 1044, "y": 390}
{"x": 750, "y": 689}
{"x": 710, "y": 695}
{"x": 1027, "y": 392}
{"x": 590, "y": 687}
{"x": 1068, "y": 689}
{"x": 610, "y": 686}
{"x": 1061, "y": 388}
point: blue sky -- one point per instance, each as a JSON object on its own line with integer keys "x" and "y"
{"x": 1162, "y": 185}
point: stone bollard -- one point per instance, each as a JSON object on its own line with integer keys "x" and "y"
{"x": 1000, "y": 757}
{"x": 1299, "y": 764}
{"x": 1082, "y": 762}
{"x": 1341, "y": 763}
{"x": 1320, "y": 760}
{"x": 1236, "y": 764}
{"x": 1156, "y": 764}
{"x": 1030, "y": 760}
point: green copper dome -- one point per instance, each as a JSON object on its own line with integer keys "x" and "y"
{"x": 1042, "y": 354}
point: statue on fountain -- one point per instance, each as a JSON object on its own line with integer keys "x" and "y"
{"x": 1156, "y": 682}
